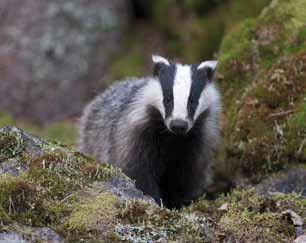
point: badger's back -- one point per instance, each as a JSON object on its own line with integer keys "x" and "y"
{"x": 101, "y": 116}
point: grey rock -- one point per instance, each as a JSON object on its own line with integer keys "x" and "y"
{"x": 120, "y": 186}
{"x": 11, "y": 238}
{"x": 12, "y": 167}
{"x": 46, "y": 235}
{"x": 300, "y": 239}
{"x": 52, "y": 53}
{"x": 290, "y": 181}
{"x": 124, "y": 189}
{"x": 24, "y": 142}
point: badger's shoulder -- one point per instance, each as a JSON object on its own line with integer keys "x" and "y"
{"x": 120, "y": 91}
{"x": 102, "y": 113}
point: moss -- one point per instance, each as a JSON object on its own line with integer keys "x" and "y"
{"x": 62, "y": 172}
{"x": 261, "y": 74}
{"x": 236, "y": 43}
{"x": 58, "y": 191}
{"x": 11, "y": 143}
{"x": 94, "y": 215}
{"x": 256, "y": 43}
{"x": 18, "y": 199}
{"x": 290, "y": 13}
{"x": 295, "y": 132}
{"x": 248, "y": 217}
{"x": 246, "y": 226}
{"x": 147, "y": 222}
{"x": 262, "y": 117}
{"x": 236, "y": 66}
{"x": 252, "y": 218}
{"x": 241, "y": 9}
{"x": 48, "y": 192}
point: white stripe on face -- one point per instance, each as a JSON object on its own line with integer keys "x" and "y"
{"x": 181, "y": 90}
{"x": 209, "y": 98}
{"x": 151, "y": 94}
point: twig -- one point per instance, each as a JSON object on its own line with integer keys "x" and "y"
{"x": 282, "y": 113}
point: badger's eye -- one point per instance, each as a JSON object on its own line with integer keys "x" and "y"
{"x": 192, "y": 101}
{"x": 167, "y": 100}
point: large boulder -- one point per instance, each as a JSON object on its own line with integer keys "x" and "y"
{"x": 52, "y": 53}
{"x": 47, "y": 188}
{"x": 262, "y": 73}
{"x": 292, "y": 180}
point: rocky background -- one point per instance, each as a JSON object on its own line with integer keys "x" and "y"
{"x": 56, "y": 55}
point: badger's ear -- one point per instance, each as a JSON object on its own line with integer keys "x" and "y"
{"x": 159, "y": 62}
{"x": 209, "y": 67}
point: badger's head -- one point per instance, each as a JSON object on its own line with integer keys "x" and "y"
{"x": 187, "y": 91}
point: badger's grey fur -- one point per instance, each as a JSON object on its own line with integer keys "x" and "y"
{"x": 162, "y": 130}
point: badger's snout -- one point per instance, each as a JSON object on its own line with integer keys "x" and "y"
{"x": 178, "y": 126}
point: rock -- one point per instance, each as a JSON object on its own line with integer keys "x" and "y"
{"x": 11, "y": 238}
{"x": 262, "y": 73}
{"x": 52, "y": 53}
{"x": 43, "y": 235}
{"x": 301, "y": 239}
{"x": 12, "y": 167}
{"x": 13, "y": 143}
{"x": 125, "y": 189}
{"x": 285, "y": 182}
{"x": 76, "y": 198}
{"x": 19, "y": 149}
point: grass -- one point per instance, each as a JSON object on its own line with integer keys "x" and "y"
{"x": 63, "y": 131}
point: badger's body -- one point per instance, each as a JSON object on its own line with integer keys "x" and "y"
{"x": 162, "y": 130}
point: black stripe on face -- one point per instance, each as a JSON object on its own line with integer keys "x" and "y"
{"x": 199, "y": 81}
{"x": 166, "y": 76}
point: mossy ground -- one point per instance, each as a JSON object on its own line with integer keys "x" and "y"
{"x": 262, "y": 76}
{"x": 58, "y": 191}
{"x": 244, "y": 216}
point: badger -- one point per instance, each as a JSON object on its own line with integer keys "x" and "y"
{"x": 162, "y": 130}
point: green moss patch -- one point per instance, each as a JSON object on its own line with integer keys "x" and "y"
{"x": 11, "y": 144}
{"x": 263, "y": 116}
{"x": 244, "y": 216}
{"x": 295, "y": 132}
{"x": 17, "y": 199}
{"x": 262, "y": 77}
{"x": 61, "y": 190}
{"x": 95, "y": 216}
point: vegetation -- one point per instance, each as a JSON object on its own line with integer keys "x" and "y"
{"x": 262, "y": 75}
{"x": 65, "y": 191}
{"x": 63, "y": 132}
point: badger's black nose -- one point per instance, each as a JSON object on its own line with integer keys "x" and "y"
{"x": 178, "y": 126}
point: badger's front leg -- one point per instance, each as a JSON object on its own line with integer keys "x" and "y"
{"x": 145, "y": 181}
